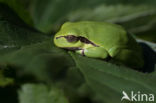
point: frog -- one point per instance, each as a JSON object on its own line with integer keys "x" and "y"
{"x": 101, "y": 40}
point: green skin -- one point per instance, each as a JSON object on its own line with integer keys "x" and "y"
{"x": 102, "y": 40}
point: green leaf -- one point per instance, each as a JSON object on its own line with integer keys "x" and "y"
{"x": 14, "y": 33}
{"x": 39, "y": 93}
{"x": 41, "y": 60}
{"x": 23, "y": 47}
{"x": 137, "y": 17}
{"x": 109, "y": 80}
{"x": 113, "y": 13}
{"x": 152, "y": 45}
{"x": 48, "y": 14}
{"x": 18, "y": 7}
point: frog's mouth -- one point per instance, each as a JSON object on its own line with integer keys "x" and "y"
{"x": 73, "y": 48}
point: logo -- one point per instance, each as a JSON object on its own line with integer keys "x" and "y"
{"x": 138, "y": 96}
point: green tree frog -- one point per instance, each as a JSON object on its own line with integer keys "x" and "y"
{"x": 100, "y": 40}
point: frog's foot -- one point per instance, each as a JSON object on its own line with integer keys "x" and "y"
{"x": 94, "y": 52}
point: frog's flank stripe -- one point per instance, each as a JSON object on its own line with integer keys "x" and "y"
{"x": 86, "y": 41}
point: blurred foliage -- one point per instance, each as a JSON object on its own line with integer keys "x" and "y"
{"x": 17, "y": 6}
{"x": 33, "y": 70}
{"x": 135, "y": 16}
{"x": 105, "y": 78}
{"x": 4, "y": 81}
{"x": 32, "y": 93}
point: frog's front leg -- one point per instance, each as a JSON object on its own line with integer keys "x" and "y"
{"x": 94, "y": 52}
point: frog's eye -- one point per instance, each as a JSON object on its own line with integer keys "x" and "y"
{"x": 71, "y": 38}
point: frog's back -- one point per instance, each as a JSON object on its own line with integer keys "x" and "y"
{"x": 101, "y": 33}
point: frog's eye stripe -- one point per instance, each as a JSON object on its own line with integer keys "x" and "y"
{"x": 69, "y": 38}
{"x": 72, "y": 38}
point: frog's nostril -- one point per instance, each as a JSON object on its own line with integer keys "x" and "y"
{"x": 57, "y": 37}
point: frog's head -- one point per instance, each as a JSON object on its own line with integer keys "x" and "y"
{"x": 68, "y": 41}
{"x": 72, "y": 42}
{"x": 69, "y": 37}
